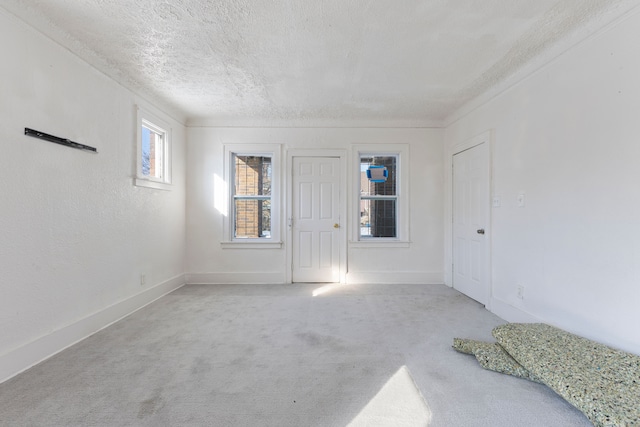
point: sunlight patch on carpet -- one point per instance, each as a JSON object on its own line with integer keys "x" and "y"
{"x": 399, "y": 403}
{"x": 327, "y": 288}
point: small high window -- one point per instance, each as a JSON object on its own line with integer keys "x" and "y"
{"x": 153, "y": 144}
{"x": 153, "y": 151}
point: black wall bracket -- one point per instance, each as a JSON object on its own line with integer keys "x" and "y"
{"x": 58, "y": 140}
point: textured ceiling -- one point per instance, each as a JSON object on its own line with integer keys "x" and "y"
{"x": 311, "y": 62}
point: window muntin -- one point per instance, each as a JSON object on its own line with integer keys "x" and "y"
{"x": 378, "y": 200}
{"x": 252, "y": 196}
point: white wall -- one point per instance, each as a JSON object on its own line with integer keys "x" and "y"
{"x": 75, "y": 234}
{"x": 209, "y": 263}
{"x": 569, "y": 138}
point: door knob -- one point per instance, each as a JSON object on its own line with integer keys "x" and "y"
{"x": 336, "y": 225}
{"x": 481, "y": 231}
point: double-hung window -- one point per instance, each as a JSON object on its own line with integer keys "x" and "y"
{"x": 252, "y": 196}
{"x": 253, "y": 177}
{"x": 381, "y": 185}
{"x": 378, "y": 196}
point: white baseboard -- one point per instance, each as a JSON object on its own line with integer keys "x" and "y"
{"x": 512, "y": 314}
{"x": 240, "y": 278}
{"x": 381, "y": 277}
{"x": 40, "y": 349}
{"x": 400, "y": 277}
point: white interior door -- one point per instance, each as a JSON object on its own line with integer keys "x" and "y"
{"x": 316, "y": 219}
{"x": 470, "y": 222}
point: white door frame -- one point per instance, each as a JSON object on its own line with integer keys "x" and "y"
{"x": 485, "y": 137}
{"x": 342, "y": 155}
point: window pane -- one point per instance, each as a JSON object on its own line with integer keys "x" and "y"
{"x": 378, "y": 218}
{"x": 253, "y": 218}
{"x": 252, "y": 176}
{"x": 387, "y": 188}
{"x": 146, "y": 165}
{"x": 152, "y": 153}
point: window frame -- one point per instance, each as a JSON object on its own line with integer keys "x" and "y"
{"x": 262, "y": 150}
{"x": 401, "y": 152}
{"x": 379, "y": 197}
{"x": 154, "y": 123}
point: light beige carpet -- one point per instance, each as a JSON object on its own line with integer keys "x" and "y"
{"x": 276, "y": 355}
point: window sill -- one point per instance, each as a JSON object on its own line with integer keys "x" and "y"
{"x": 380, "y": 243}
{"x": 139, "y": 182}
{"x": 250, "y": 245}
